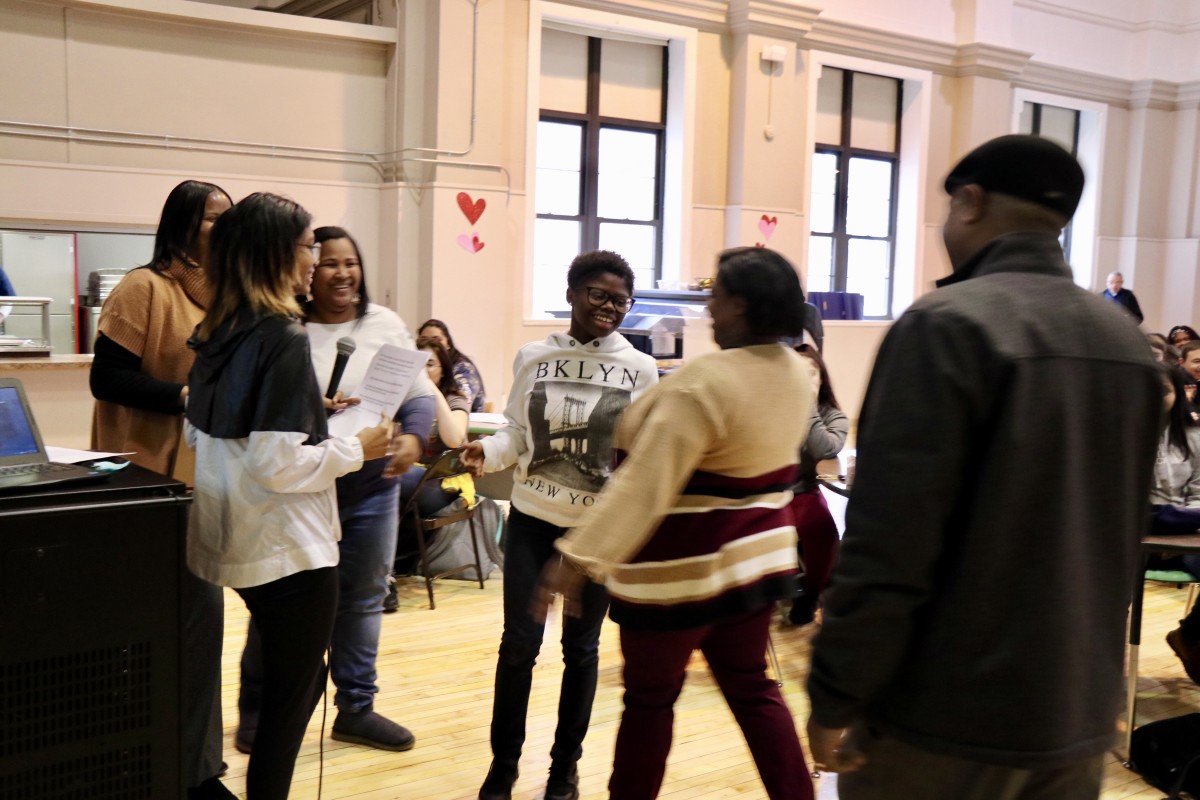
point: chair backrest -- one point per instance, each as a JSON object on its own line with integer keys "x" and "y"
{"x": 446, "y": 465}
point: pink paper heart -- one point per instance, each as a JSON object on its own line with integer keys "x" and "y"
{"x": 767, "y": 225}
{"x": 472, "y": 210}
{"x": 470, "y": 243}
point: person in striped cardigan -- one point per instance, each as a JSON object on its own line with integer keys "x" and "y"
{"x": 693, "y": 535}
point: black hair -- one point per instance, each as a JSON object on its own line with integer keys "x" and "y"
{"x": 770, "y": 286}
{"x": 446, "y": 385}
{"x": 1179, "y": 416}
{"x": 327, "y": 233}
{"x": 1192, "y": 335}
{"x": 825, "y": 395}
{"x": 252, "y": 259}
{"x": 180, "y": 221}
{"x": 455, "y": 355}
{"x": 597, "y": 262}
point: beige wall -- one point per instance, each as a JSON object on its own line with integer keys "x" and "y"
{"x": 251, "y": 90}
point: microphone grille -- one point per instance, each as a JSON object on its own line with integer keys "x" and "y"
{"x": 345, "y": 345}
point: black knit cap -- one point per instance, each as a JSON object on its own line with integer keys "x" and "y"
{"x": 1027, "y": 167}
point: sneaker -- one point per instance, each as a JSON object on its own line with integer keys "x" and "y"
{"x": 1188, "y": 651}
{"x": 563, "y": 785}
{"x": 211, "y": 789}
{"x": 391, "y": 601}
{"x": 499, "y": 782}
{"x": 804, "y": 609}
{"x": 373, "y": 730}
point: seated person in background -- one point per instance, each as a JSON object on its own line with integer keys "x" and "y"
{"x": 816, "y": 531}
{"x": 449, "y": 430}
{"x": 1181, "y": 335}
{"x": 466, "y": 374}
{"x": 1175, "y": 499}
{"x": 1189, "y": 359}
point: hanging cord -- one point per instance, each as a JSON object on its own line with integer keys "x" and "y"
{"x": 324, "y": 716}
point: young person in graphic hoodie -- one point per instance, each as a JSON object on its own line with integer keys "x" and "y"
{"x": 567, "y": 392}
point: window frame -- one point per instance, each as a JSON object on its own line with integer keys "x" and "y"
{"x": 592, "y": 123}
{"x": 844, "y": 152}
{"x": 1035, "y": 129}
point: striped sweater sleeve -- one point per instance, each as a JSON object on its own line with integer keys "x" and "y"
{"x": 673, "y": 437}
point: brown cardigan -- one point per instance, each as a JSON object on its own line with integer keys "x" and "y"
{"x": 151, "y": 314}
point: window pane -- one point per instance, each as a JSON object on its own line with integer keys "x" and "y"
{"x": 824, "y": 189}
{"x": 627, "y": 170}
{"x": 867, "y": 274}
{"x": 820, "y": 263}
{"x": 869, "y": 197}
{"x": 873, "y": 112}
{"x": 564, "y": 71}
{"x": 1026, "y": 124}
{"x": 636, "y": 244}
{"x": 559, "y": 154}
{"x": 555, "y": 244}
{"x": 829, "y": 106}
{"x": 1058, "y": 125}
{"x": 631, "y": 80}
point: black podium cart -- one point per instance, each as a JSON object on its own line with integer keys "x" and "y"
{"x": 90, "y": 639}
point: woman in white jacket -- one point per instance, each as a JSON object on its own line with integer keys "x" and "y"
{"x": 264, "y": 517}
{"x": 567, "y": 392}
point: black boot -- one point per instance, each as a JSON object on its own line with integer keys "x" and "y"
{"x": 499, "y": 781}
{"x": 563, "y": 783}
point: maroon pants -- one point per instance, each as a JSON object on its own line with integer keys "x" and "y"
{"x": 818, "y": 536}
{"x": 655, "y": 667}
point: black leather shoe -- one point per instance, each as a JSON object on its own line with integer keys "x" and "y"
{"x": 499, "y": 782}
{"x": 391, "y": 601}
{"x": 563, "y": 784}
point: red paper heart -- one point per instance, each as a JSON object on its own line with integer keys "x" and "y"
{"x": 472, "y": 209}
{"x": 478, "y": 245}
{"x": 759, "y": 244}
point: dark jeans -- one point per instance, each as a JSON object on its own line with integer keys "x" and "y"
{"x": 655, "y": 668}
{"x": 294, "y": 617}
{"x": 529, "y": 546}
{"x": 895, "y": 769}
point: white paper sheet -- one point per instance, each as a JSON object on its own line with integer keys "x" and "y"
{"x": 68, "y": 455}
{"x": 388, "y": 379}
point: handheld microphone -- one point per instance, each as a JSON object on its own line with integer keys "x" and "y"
{"x": 345, "y": 346}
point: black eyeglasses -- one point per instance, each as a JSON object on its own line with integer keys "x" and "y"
{"x": 598, "y": 297}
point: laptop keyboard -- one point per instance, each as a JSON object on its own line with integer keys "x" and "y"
{"x": 34, "y": 469}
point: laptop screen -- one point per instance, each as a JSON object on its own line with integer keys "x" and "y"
{"x": 16, "y": 432}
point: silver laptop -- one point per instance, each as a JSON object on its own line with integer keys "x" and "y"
{"x": 23, "y": 460}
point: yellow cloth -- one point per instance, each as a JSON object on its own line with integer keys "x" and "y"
{"x": 463, "y": 485}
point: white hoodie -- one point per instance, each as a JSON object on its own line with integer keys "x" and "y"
{"x": 561, "y": 412}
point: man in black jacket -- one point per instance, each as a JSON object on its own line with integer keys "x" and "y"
{"x": 972, "y": 643}
{"x": 1115, "y": 292}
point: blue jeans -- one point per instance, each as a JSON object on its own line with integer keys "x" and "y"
{"x": 529, "y": 546}
{"x": 367, "y": 548}
{"x": 431, "y": 499}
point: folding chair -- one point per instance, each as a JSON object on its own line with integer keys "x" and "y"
{"x": 444, "y": 466}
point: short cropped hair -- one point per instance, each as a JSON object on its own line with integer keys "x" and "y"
{"x": 598, "y": 262}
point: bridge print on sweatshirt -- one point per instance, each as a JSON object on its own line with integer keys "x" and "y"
{"x": 571, "y": 424}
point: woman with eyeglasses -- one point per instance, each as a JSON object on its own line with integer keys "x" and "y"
{"x": 567, "y": 392}
{"x": 466, "y": 374}
{"x": 264, "y": 518}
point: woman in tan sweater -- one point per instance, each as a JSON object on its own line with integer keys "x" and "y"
{"x": 139, "y": 380}
{"x": 693, "y": 535}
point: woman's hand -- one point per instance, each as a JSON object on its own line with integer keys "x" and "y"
{"x": 558, "y": 578}
{"x": 339, "y": 402}
{"x": 472, "y": 457}
{"x": 375, "y": 440}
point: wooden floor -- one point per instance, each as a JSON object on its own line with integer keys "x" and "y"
{"x": 435, "y": 676}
